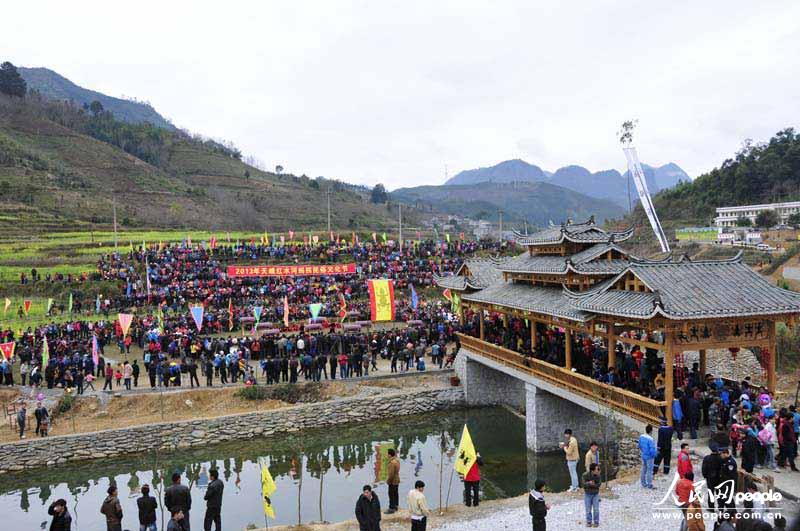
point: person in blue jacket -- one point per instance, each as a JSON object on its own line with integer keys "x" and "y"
{"x": 647, "y": 450}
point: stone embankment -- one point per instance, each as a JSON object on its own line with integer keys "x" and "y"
{"x": 36, "y": 452}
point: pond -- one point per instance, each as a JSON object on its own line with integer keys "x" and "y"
{"x": 319, "y": 473}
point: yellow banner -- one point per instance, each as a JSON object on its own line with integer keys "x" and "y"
{"x": 267, "y": 488}
{"x": 381, "y": 300}
{"x": 465, "y": 457}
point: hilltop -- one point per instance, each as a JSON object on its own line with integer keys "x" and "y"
{"x": 604, "y": 184}
{"x": 537, "y": 202}
{"x": 54, "y": 86}
{"x": 63, "y": 168}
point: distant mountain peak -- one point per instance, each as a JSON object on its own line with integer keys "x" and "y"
{"x": 54, "y": 86}
{"x": 514, "y": 170}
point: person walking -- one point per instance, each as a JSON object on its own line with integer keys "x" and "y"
{"x": 22, "y": 417}
{"x": 147, "y": 506}
{"x": 42, "y": 417}
{"x": 684, "y": 461}
{"x": 472, "y": 483}
{"x": 591, "y": 495}
{"x": 663, "y": 447}
{"x": 368, "y": 510}
{"x": 112, "y": 510}
{"x": 537, "y": 506}
{"x": 178, "y": 498}
{"x": 393, "y": 481}
{"x": 213, "y": 499}
{"x": 647, "y": 451}
{"x": 571, "y": 454}
{"x": 62, "y": 520}
{"x": 418, "y": 507}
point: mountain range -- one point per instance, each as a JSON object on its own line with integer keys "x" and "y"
{"x": 605, "y": 184}
{"x": 54, "y": 86}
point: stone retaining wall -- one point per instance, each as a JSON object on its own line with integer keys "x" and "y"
{"x": 34, "y": 453}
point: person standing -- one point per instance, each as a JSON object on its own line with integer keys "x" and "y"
{"x": 112, "y": 510}
{"x": 537, "y": 506}
{"x": 368, "y": 510}
{"x": 684, "y": 461}
{"x": 663, "y": 447}
{"x": 178, "y": 498}
{"x": 213, "y": 499}
{"x": 647, "y": 451}
{"x": 591, "y": 495}
{"x": 127, "y": 374}
{"x": 136, "y": 370}
{"x": 393, "y": 481}
{"x": 62, "y": 520}
{"x": 728, "y": 475}
{"x": 472, "y": 483}
{"x": 570, "y": 448}
{"x": 710, "y": 468}
{"x": 147, "y": 506}
{"x": 418, "y": 507}
{"x": 177, "y": 521}
{"x": 42, "y": 417}
{"x": 22, "y": 417}
{"x": 592, "y": 455}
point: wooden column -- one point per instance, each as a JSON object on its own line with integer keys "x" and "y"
{"x": 669, "y": 360}
{"x": 533, "y": 334}
{"x": 568, "y": 349}
{"x": 612, "y": 347}
{"x": 772, "y": 365}
{"x": 505, "y": 320}
{"x": 480, "y": 313}
{"x": 703, "y": 363}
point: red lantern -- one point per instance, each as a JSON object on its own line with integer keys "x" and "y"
{"x": 734, "y": 351}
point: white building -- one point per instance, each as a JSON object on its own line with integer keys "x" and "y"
{"x": 727, "y": 216}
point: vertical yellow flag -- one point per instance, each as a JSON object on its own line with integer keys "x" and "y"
{"x": 267, "y": 488}
{"x": 381, "y": 300}
{"x": 466, "y": 453}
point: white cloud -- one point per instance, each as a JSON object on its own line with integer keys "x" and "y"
{"x": 393, "y": 91}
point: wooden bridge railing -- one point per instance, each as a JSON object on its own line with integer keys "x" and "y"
{"x": 625, "y": 402}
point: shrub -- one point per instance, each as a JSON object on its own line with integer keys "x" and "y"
{"x": 254, "y": 392}
{"x": 66, "y": 403}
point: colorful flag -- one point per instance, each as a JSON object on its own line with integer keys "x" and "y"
{"x": 286, "y": 311}
{"x": 69, "y": 304}
{"x": 315, "y": 309}
{"x": 213, "y": 242}
{"x": 466, "y": 455}
{"x": 414, "y": 298}
{"x": 381, "y": 299}
{"x": 455, "y": 303}
{"x": 7, "y": 349}
{"x": 230, "y": 315}
{"x": 45, "y": 351}
{"x": 315, "y": 239}
{"x": 268, "y": 487}
{"x": 197, "y": 315}
{"x": 384, "y": 237}
{"x": 374, "y": 237}
{"x": 283, "y": 240}
{"x": 147, "y": 274}
{"x": 125, "y": 320}
{"x": 97, "y": 304}
{"x": 95, "y": 351}
{"x": 291, "y": 235}
{"x": 27, "y": 304}
{"x": 447, "y": 237}
{"x": 257, "y": 310}
{"x": 447, "y": 294}
{"x": 49, "y": 304}
{"x": 342, "y": 306}
{"x": 8, "y": 303}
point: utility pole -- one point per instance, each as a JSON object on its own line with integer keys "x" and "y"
{"x": 500, "y": 212}
{"x": 400, "y": 223}
{"x": 114, "y": 203}
{"x": 329, "y": 209}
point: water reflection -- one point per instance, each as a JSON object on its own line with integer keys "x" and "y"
{"x": 319, "y": 473}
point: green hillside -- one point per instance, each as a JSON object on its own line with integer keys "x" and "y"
{"x": 537, "y": 202}
{"x": 62, "y": 168}
{"x": 54, "y": 86}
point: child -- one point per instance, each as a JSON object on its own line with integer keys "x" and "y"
{"x": 537, "y": 506}
{"x": 118, "y": 376}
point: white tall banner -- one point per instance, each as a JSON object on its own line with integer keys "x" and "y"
{"x": 644, "y": 195}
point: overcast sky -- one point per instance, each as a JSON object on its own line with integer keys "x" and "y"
{"x": 391, "y": 92}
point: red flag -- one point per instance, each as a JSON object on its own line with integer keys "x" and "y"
{"x": 291, "y": 235}
{"x": 213, "y": 242}
{"x": 375, "y": 237}
{"x": 447, "y": 295}
{"x": 286, "y": 311}
{"x": 342, "y": 306}
{"x": 27, "y": 304}
{"x": 461, "y": 236}
{"x": 7, "y": 349}
{"x": 332, "y": 236}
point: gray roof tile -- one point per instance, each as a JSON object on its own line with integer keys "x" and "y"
{"x": 549, "y": 301}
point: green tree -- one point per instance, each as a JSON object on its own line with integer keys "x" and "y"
{"x": 767, "y": 219}
{"x": 379, "y": 194}
{"x": 11, "y": 82}
{"x": 96, "y": 107}
{"x": 743, "y": 221}
{"x": 794, "y": 220}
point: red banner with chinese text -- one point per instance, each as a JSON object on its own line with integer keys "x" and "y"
{"x": 291, "y": 270}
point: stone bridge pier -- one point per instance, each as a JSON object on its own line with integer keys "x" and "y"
{"x": 548, "y": 409}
